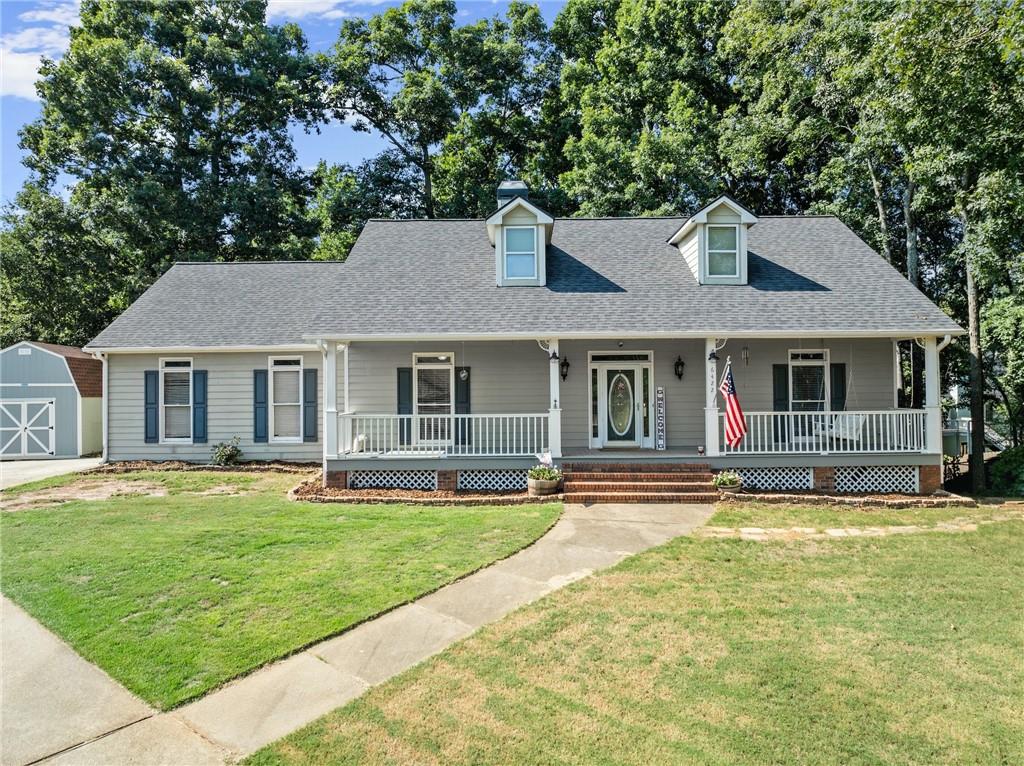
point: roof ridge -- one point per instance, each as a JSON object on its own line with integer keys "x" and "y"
{"x": 250, "y": 262}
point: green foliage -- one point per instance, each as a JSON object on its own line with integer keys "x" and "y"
{"x": 226, "y": 453}
{"x": 1006, "y": 473}
{"x": 544, "y": 473}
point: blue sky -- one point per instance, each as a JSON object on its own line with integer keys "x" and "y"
{"x": 31, "y": 29}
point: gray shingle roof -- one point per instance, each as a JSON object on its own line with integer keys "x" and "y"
{"x": 615, "y": 276}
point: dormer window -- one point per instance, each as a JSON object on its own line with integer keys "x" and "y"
{"x": 520, "y": 252}
{"x": 723, "y": 251}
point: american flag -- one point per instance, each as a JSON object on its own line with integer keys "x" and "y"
{"x": 735, "y": 423}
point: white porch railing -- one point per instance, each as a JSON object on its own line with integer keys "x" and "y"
{"x": 437, "y": 435}
{"x": 850, "y": 431}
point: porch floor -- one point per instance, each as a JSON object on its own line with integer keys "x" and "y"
{"x": 652, "y": 455}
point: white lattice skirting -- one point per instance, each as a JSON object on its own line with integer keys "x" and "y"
{"x": 782, "y": 477}
{"x": 878, "y": 478}
{"x": 393, "y": 480}
{"x": 493, "y": 479}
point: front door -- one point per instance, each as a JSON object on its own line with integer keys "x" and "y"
{"x": 623, "y": 403}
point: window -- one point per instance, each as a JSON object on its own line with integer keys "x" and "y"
{"x": 723, "y": 251}
{"x": 285, "y": 399}
{"x": 433, "y": 395}
{"x": 808, "y": 381}
{"x": 520, "y": 252}
{"x": 176, "y": 400}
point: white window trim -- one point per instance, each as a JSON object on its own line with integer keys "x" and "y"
{"x": 505, "y": 254}
{"x": 417, "y": 365}
{"x": 824, "y": 362}
{"x": 191, "y": 397}
{"x": 272, "y": 406}
{"x": 709, "y": 251}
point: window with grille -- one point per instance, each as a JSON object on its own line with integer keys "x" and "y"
{"x": 176, "y": 400}
{"x": 433, "y": 395}
{"x": 808, "y": 387}
{"x": 286, "y": 399}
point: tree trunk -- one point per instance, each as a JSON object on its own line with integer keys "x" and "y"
{"x": 880, "y": 204}
{"x": 428, "y": 185}
{"x": 977, "y": 374}
{"x": 913, "y": 261}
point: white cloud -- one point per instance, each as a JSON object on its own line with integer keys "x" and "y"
{"x": 323, "y": 9}
{"x": 22, "y": 50}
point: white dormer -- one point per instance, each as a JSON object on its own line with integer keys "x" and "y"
{"x": 520, "y": 232}
{"x": 714, "y": 242}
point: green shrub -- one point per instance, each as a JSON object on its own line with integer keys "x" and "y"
{"x": 1006, "y": 473}
{"x": 544, "y": 473}
{"x": 226, "y": 453}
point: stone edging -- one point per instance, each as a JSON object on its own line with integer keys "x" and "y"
{"x": 468, "y": 500}
{"x": 130, "y": 466}
{"x": 925, "y": 501}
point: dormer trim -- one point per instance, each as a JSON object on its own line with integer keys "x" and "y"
{"x": 496, "y": 218}
{"x": 701, "y": 216}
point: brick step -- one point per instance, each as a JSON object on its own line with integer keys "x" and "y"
{"x": 685, "y": 476}
{"x": 637, "y": 486}
{"x": 640, "y": 497}
{"x": 637, "y": 467}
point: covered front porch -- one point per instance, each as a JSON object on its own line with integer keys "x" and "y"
{"x": 632, "y": 399}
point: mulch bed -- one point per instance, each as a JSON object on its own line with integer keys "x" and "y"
{"x": 311, "y": 491}
{"x": 254, "y": 466}
{"x": 810, "y": 497}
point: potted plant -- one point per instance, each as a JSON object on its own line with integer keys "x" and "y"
{"x": 543, "y": 480}
{"x": 728, "y": 481}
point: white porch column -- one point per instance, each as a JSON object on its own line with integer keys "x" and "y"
{"x": 331, "y": 399}
{"x": 932, "y": 408}
{"x": 555, "y": 404}
{"x": 710, "y": 398}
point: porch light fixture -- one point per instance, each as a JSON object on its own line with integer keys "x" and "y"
{"x": 679, "y": 366}
{"x": 463, "y": 374}
{"x": 564, "y": 367}
{"x": 745, "y": 353}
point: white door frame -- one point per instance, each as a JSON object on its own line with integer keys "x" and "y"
{"x": 25, "y": 429}
{"x": 601, "y": 440}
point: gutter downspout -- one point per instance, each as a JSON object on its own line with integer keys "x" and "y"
{"x": 944, "y": 342}
{"x": 105, "y": 403}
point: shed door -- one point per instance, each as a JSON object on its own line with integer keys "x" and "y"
{"x": 26, "y": 428}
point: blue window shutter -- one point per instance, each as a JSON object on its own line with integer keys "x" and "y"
{"x": 199, "y": 406}
{"x": 309, "y": 405}
{"x": 152, "y": 400}
{"x": 463, "y": 432}
{"x": 259, "y": 405}
{"x": 404, "y": 403}
{"x": 838, "y": 386}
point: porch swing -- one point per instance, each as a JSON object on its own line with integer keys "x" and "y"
{"x": 847, "y": 428}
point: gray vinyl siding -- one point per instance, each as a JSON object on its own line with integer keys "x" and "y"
{"x": 230, "y": 408}
{"x": 513, "y": 377}
{"x": 505, "y": 376}
{"x": 43, "y": 375}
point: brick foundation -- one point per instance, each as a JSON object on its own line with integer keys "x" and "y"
{"x": 929, "y": 479}
{"x": 824, "y": 478}
{"x": 336, "y": 479}
{"x": 447, "y": 481}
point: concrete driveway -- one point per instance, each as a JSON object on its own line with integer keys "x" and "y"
{"x": 14, "y": 472}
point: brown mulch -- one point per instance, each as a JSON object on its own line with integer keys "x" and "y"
{"x": 812, "y": 497}
{"x": 312, "y": 491}
{"x": 254, "y": 466}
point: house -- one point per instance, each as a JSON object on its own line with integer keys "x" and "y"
{"x": 450, "y": 353}
{"x": 50, "y": 401}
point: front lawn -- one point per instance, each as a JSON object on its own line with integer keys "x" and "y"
{"x": 174, "y": 595}
{"x": 899, "y": 649}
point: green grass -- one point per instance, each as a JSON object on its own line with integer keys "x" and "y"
{"x": 824, "y": 516}
{"x": 901, "y": 649}
{"x": 174, "y": 595}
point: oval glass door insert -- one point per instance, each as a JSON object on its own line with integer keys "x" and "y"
{"x": 620, "y": 404}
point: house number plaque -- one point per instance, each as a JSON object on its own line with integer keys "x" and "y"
{"x": 659, "y": 418}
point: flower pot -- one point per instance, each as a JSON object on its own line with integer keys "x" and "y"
{"x": 730, "y": 489}
{"x": 542, "y": 486}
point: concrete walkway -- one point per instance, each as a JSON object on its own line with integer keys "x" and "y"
{"x": 278, "y": 699}
{"x": 15, "y": 472}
